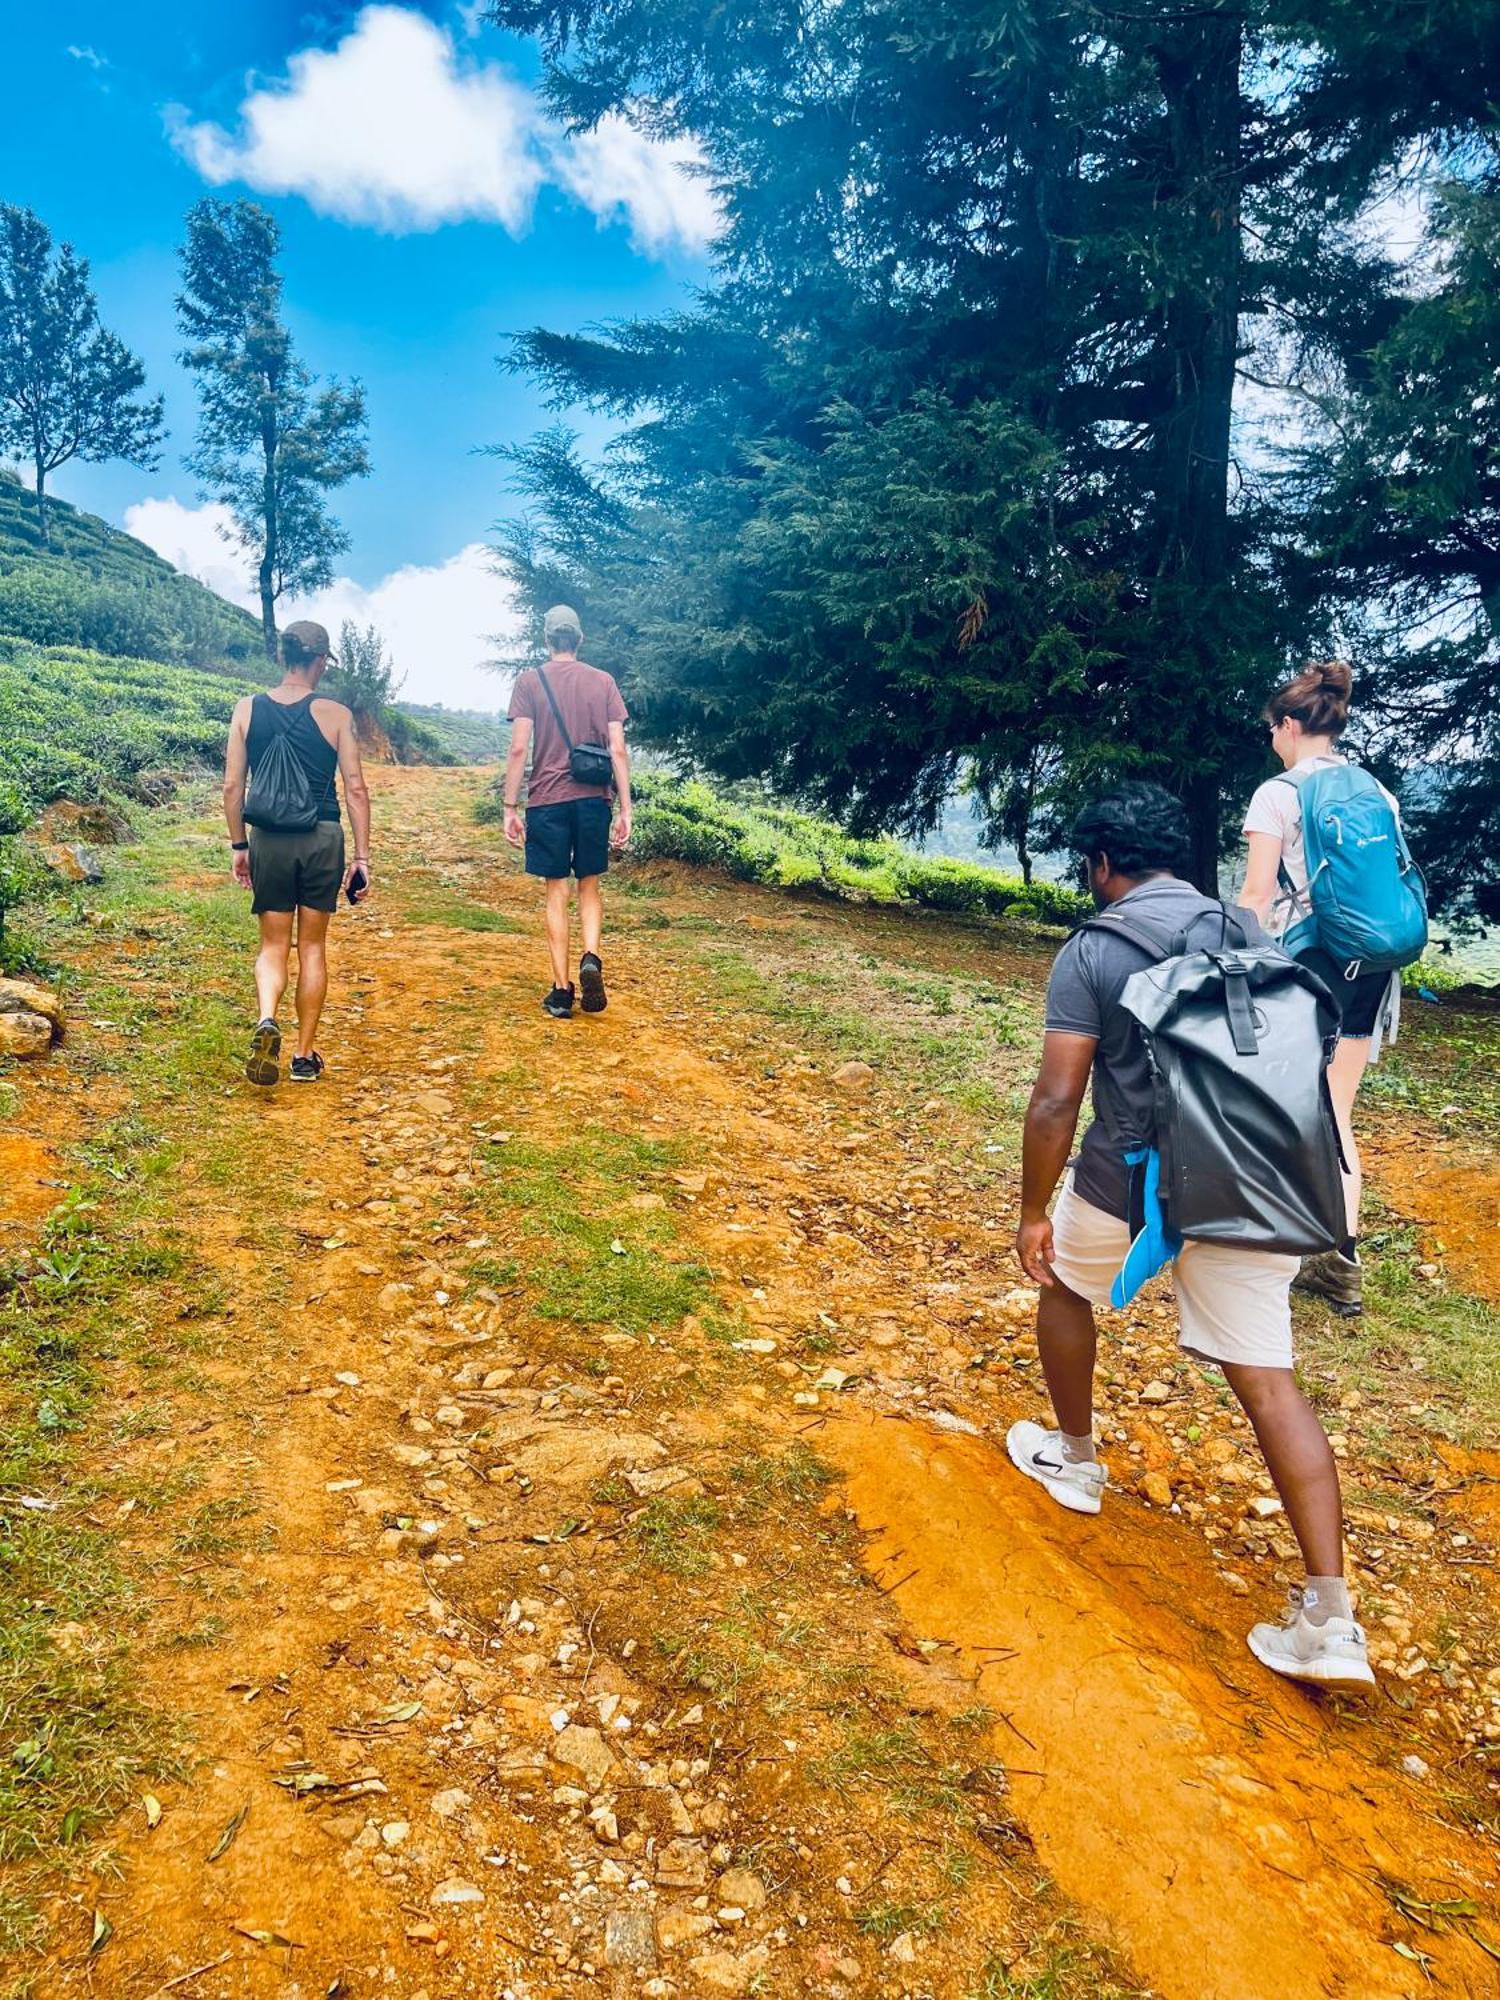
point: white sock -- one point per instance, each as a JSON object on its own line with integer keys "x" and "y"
{"x": 1325, "y": 1597}
{"x": 1078, "y": 1451}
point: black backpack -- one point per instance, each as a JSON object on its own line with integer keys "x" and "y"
{"x": 280, "y": 797}
{"x": 1239, "y": 1040}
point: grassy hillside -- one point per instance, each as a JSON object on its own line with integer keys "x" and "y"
{"x": 100, "y": 588}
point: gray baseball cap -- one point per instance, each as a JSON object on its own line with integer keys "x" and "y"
{"x": 560, "y": 619}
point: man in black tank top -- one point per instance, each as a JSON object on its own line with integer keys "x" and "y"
{"x": 296, "y": 872}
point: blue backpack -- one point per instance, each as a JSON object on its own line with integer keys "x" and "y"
{"x": 1366, "y": 902}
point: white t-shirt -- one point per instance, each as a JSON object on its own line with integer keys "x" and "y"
{"x": 1277, "y": 808}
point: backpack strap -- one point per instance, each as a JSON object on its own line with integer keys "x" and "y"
{"x": 541, "y": 674}
{"x": 1113, "y": 926}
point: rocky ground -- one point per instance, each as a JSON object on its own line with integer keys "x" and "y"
{"x": 568, "y": 1549}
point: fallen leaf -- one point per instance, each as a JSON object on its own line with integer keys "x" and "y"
{"x": 1409, "y": 1951}
{"x": 104, "y": 1930}
{"x": 267, "y": 1937}
{"x": 151, "y": 1807}
{"x": 617, "y": 1247}
{"x": 72, "y": 1825}
{"x": 226, "y": 1839}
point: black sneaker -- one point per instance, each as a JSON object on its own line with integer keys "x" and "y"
{"x": 559, "y": 1003}
{"x": 591, "y": 979}
{"x": 306, "y": 1069}
{"x": 261, "y": 1064}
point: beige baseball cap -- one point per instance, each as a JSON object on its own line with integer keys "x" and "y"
{"x": 562, "y": 618}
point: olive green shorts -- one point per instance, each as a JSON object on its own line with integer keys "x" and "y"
{"x": 291, "y": 871}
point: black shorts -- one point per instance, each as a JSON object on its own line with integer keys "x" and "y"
{"x": 570, "y": 838}
{"x": 1359, "y": 1000}
{"x": 296, "y": 871}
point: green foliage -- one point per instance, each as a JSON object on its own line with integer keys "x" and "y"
{"x": 361, "y": 675}
{"x": 684, "y": 820}
{"x": 80, "y": 725}
{"x": 1404, "y": 537}
{"x": 98, "y": 588}
{"x": 271, "y": 444}
{"x": 69, "y": 388}
{"x": 942, "y": 478}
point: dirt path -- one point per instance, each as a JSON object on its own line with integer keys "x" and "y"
{"x": 615, "y": 1585}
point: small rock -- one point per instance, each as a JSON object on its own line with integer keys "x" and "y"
{"x": 681, "y": 1864}
{"x": 1233, "y": 1583}
{"x": 456, "y": 1891}
{"x": 448, "y": 1805}
{"x": 1157, "y": 1488}
{"x": 585, "y": 1750}
{"x": 679, "y": 1927}
{"x": 903, "y": 1949}
{"x": 726, "y": 1972}
{"x": 394, "y": 1832}
{"x": 1264, "y": 1506}
{"x": 25, "y": 1035}
{"x": 630, "y": 1938}
{"x": 1156, "y": 1392}
{"x": 26, "y": 996}
{"x": 742, "y": 1886}
{"x": 449, "y": 1415}
{"x": 854, "y": 1076}
{"x": 1415, "y": 1768}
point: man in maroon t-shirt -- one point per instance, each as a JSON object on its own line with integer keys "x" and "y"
{"x": 554, "y": 710}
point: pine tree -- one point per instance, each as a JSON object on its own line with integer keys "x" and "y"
{"x": 946, "y": 470}
{"x": 69, "y": 388}
{"x": 271, "y": 444}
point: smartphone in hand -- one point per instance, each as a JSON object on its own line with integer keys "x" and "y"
{"x": 358, "y": 882}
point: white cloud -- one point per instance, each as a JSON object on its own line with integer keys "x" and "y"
{"x": 395, "y": 128}
{"x": 389, "y": 128}
{"x": 440, "y": 624}
{"x": 440, "y": 621}
{"x": 616, "y": 170}
{"x": 198, "y": 540}
{"x": 87, "y": 55}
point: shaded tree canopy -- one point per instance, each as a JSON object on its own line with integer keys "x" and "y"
{"x": 951, "y": 469}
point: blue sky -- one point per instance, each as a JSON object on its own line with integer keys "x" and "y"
{"x": 426, "y": 210}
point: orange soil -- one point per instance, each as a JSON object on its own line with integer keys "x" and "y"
{"x": 1230, "y": 1835}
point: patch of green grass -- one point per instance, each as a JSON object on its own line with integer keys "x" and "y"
{"x": 630, "y": 1290}
{"x": 675, "y": 1534}
{"x": 890, "y": 1919}
{"x": 455, "y": 915}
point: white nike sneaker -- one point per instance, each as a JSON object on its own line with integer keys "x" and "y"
{"x": 1038, "y": 1453}
{"x": 1329, "y": 1655}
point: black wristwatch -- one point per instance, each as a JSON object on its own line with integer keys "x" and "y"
{"x": 240, "y": 846}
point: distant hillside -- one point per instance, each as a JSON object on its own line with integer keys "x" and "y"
{"x": 100, "y": 588}
{"x": 446, "y": 735}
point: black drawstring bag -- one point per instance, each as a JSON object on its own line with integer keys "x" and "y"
{"x": 280, "y": 797}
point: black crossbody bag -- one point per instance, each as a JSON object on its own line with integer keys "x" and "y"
{"x": 588, "y": 763}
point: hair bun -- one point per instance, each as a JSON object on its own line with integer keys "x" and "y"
{"x": 1337, "y": 676}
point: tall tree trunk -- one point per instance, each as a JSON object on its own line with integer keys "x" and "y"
{"x": 1198, "y": 61}
{"x": 43, "y": 526}
{"x": 269, "y": 546}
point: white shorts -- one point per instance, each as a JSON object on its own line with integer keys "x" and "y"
{"x": 1232, "y": 1305}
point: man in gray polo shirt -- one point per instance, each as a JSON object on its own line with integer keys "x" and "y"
{"x": 1233, "y": 1303}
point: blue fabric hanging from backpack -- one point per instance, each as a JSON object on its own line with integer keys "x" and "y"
{"x": 1152, "y": 1244}
{"x": 1365, "y": 902}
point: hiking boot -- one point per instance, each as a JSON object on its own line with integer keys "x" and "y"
{"x": 261, "y": 1065}
{"x": 591, "y": 979}
{"x": 1038, "y": 1453}
{"x": 559, "y": 1003}
{"x": 1328, "y": 1655}
{"x": 306, "y": 1069}
{"x": 1334, "y": 1277}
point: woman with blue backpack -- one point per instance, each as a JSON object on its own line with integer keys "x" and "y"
{"x": 1331, "y": 876}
